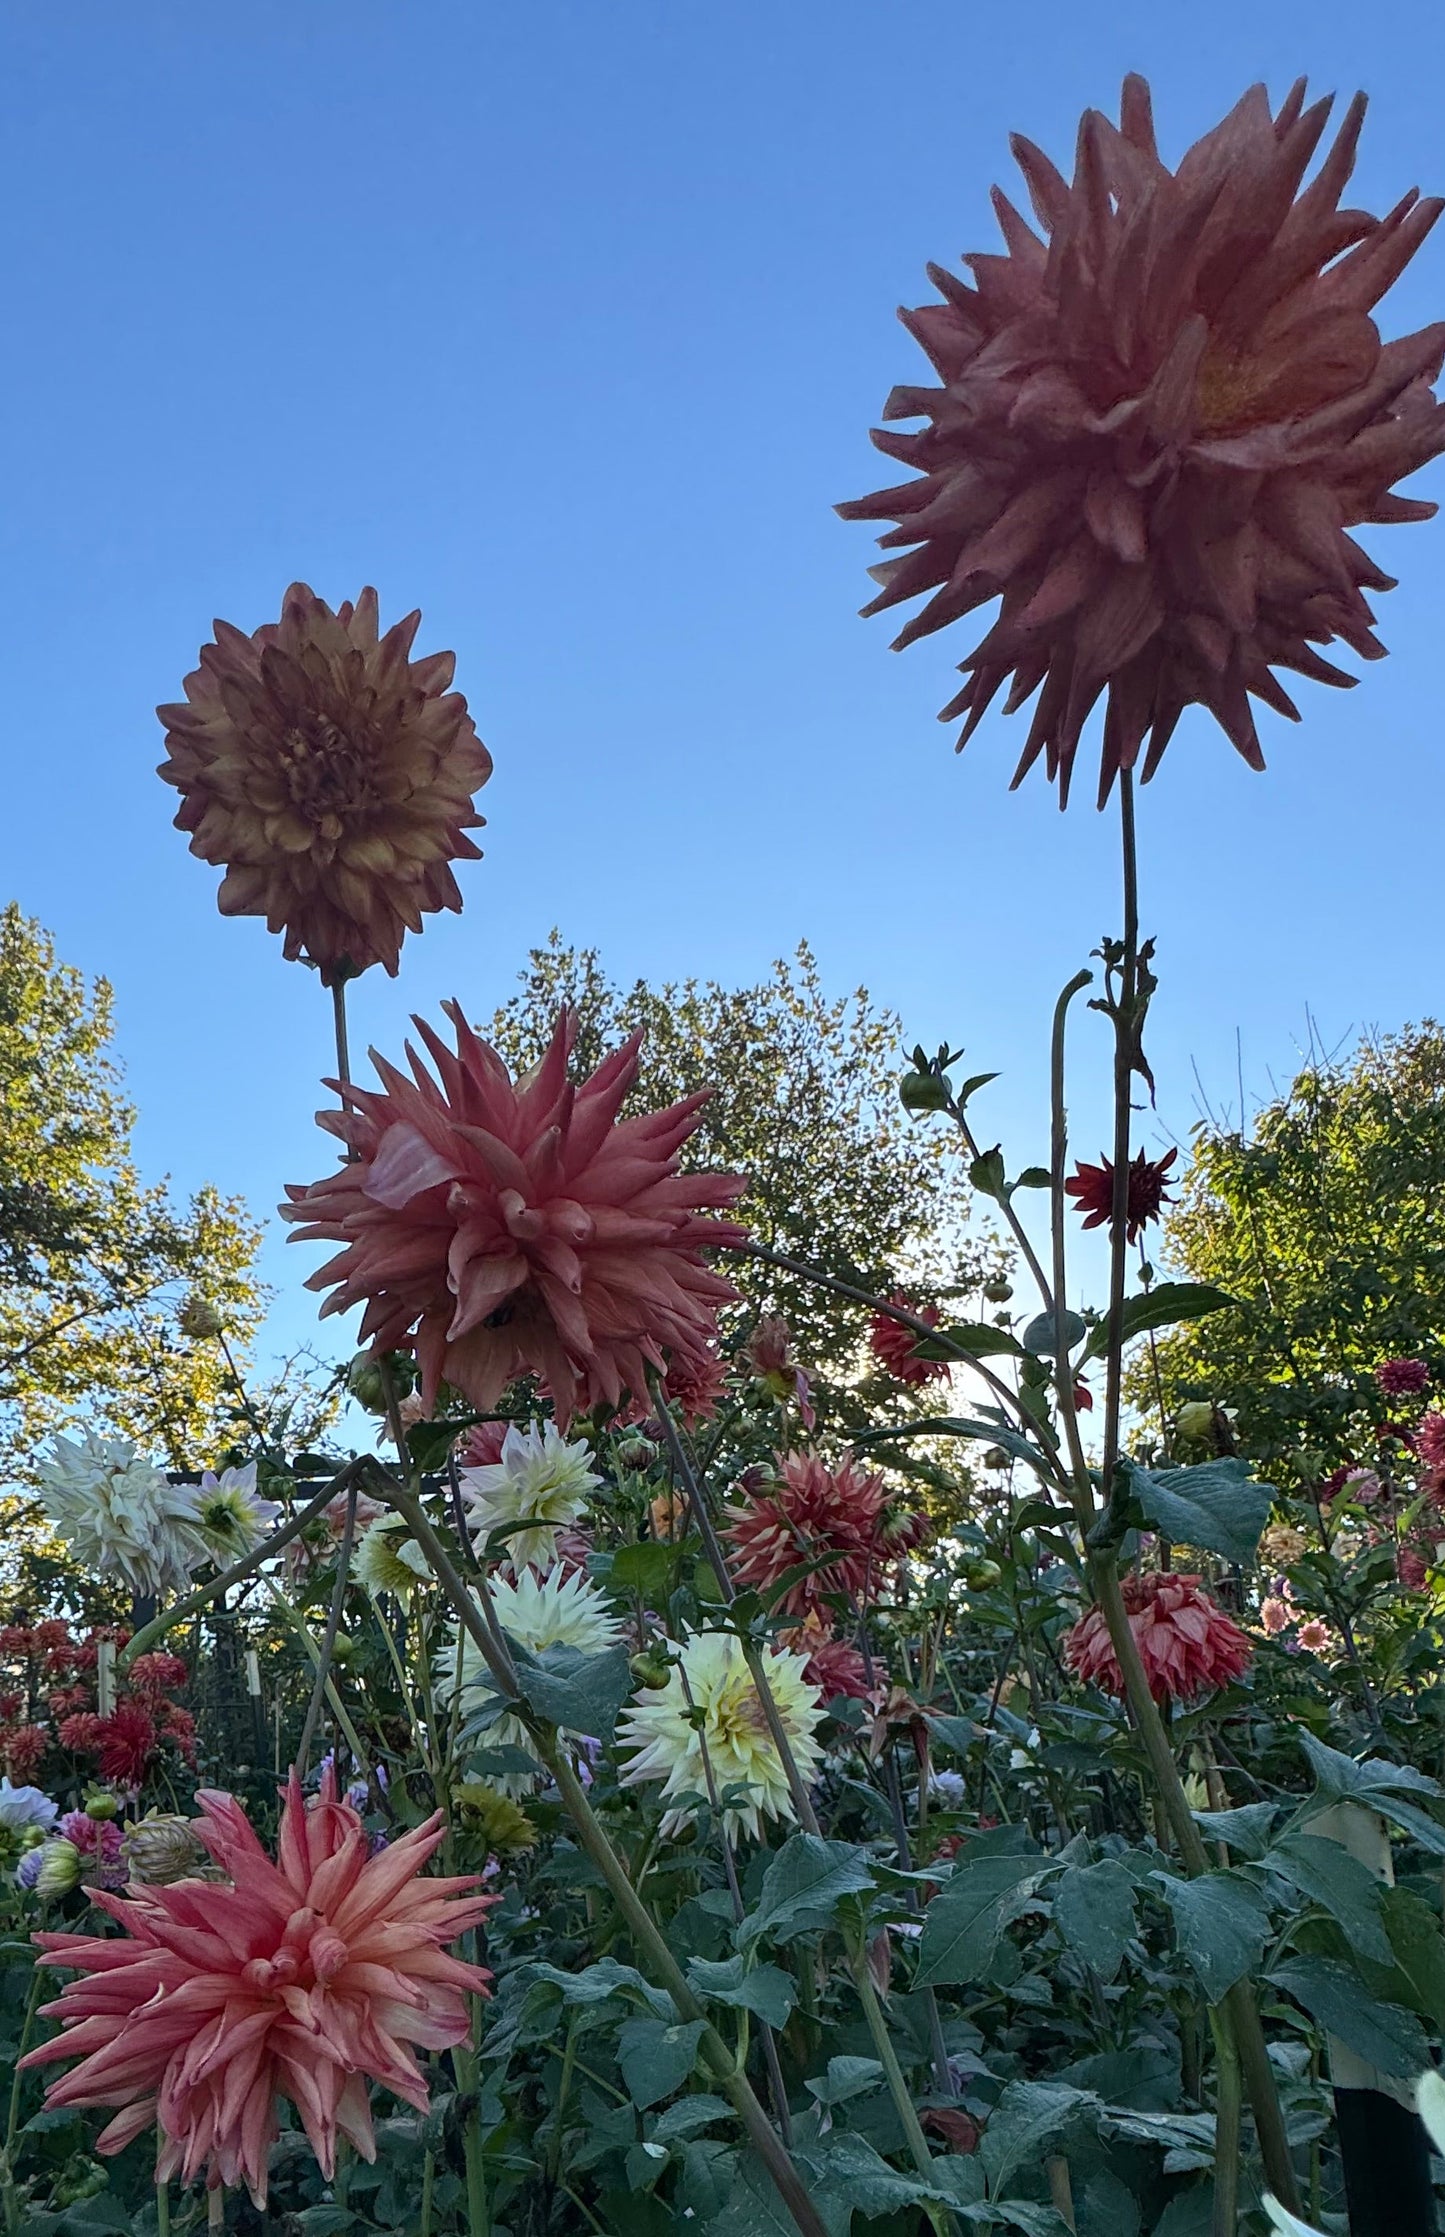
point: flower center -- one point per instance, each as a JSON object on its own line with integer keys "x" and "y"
{"x": 328, "y": 771}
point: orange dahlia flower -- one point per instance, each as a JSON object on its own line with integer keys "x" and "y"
{"x": 331, "y": 775}
{"x": 1186, "y": 1642}
{"x": 518, "y": 1227}
{"x": 304, "y": 1979}
{"x": 810, "y": 1511}
{"x": 1155, "y": 427}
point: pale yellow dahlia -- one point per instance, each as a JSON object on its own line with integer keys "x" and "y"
{"x": 542, "y": 1479}
{"x": 561, "y": 1609}
{"x": 712, "y": 1679}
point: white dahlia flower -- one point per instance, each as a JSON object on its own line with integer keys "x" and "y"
{"x": 741, "y": 1752}
{"x": 119, "y": 1514}
{"x": 542, "y": 1480}
{"x": 562, "y": 1609}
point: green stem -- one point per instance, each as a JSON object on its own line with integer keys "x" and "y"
{"x": 348, "y": 1729}
{"x": 12, "y": 2123}
{"x": 1226, "y": 2131}
{"x": 478, "y": 2220}
{"x": 327, "y": 1649}
{"x": 893, "y": 2073}
{"x": 428, "y": 2187}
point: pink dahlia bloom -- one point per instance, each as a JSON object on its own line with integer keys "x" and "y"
{"x": 1158, "y": 418}
{"x": 837, "y": 1668}
{"x": 808, "y": 1511}
{"x": 1430, "y": 1440}
{"x": 520, "y": 1227}
{"x": 1410, "y": 1569}
{"x": 304, "y": 1979}
{"x": 892, "y": 1343}
{"x": 1186, "y": 1642}
{"x": 1402, "y": 1378}
{"x": 1274, "y": 1615}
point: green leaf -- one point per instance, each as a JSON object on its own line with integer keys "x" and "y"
{"x": 1416, "y": 1969}
{"x": 977, "y": 1338}
{"x": 987, "y": 1175}
{"x": 1246, "y": 1829}
{"x": 1222, "y": 1923}
{"x": 803, "y": 1886}
{"x": 577, "y": 1692}
{"x": 687, "y": 2116}
{"x": 430, "y": 1443}
{"x": 848, "y": 2176}
{"x": 1041, "y": 1335}
{"x": 1333, "y": 1993}
{"x": 1214, "y": 1505}
{"x": 1028, "y": 2117}
{"x": 595, "y": 1983}
{"x": 644, "y": 1568}
{"x": 960, "y": 1425}
{"x": 766, "y": 1989}
{"x": 962, "y": 1924}
{"x": 845, "y": 2078}
{"x": 754, "y": 2208}
{"x": 1035, "y": 1176}
{"x": 1094, "y": 1912}
{"x": 1164, "y": 1306}
{"x": 958, "y": 1733}
{"x": 656, "y": 2056}
{"x": 1348, "y": 1890}
{"x": 1379, "y": 1786}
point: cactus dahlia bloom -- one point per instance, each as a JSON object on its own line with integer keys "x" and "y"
{"x": 305, "y": 1979}
{"x": 892, "y": 1344}
{"x": 808, "y": 1511}
{"x": 1186, "y": 1642}
{"x": 1154, "y": 428}
{"x": 120, "y": 1515}
{"x": 520, "y": 1227}
{"x": 1402, "y": 1378}
{"x": 540, "y": 1479}
{"x": 562, "y": 1609}
{"x": 331, "y": 775}
{"x": 710, "y": 1701}
{"x": 1092, "y": 1188}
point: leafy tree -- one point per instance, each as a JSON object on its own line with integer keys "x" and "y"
{"x": 1326, "y": 1221}
{"x": 806, "y": 1104}
{"x": 94, "y": 1263}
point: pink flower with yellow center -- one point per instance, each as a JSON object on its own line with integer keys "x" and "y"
{"x": 304, "y": 1979}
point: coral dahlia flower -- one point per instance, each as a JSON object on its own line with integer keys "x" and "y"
{"x": 892, "y": 1344}
{"x": 1186, "y": 1642}
{"x": 1402, "y": 1378}
{"x": 710, "y": 1700}
{"x": 808, "y": 1511}
{"x": 835, "y": 1666}
{"x": 331, "y": 775}
{"x": 1092, "y": 1188}
{"x": 304, "y": 1979}
{"x": 1158, "y": 418}
{"x": 510, "y": 1228}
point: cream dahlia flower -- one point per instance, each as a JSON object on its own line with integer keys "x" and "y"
{"x": 712, "y": 1679}
{"x": 231, "y": 1518}
{"x": 386, "y": 1561}
{"x": 120, "y": 1515}
{"x": 541, "y": 1479}
{"x": 562, "y": 1609}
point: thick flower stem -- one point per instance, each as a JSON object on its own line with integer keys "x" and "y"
{"x": 468, "y": 2080}
{"x": 1126, "y": 1030}
{"x": 644, "y": 1930}
{"x": 328, "y": 1638}
{"x": 893, "y": 2073}
{"x": 1226, "y": 2131}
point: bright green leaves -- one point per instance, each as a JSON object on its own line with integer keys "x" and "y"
{"x": 1163, "y": 1306}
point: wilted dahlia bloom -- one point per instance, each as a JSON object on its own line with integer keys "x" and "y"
{"x": 512, "y": 1228}
{"x": 710, "y": 1698}
{"x": 331, "y": 775}
{"x": 1186, "y": 1642}
{"x": 892, "y": 1343}
{"x": 303, "y": 1979}
{"x": 562, "y": 1609}
{"x": 541, "y": 1479}
{"x": 1092, "y": 1189}
{"x": 807, "y": 1511}
{"x": 120, "y": 1515}
{"x": 1156, "y": 424}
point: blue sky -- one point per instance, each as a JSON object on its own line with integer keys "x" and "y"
{"x": 567, "y": 323}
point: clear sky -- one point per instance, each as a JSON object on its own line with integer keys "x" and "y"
{"x": 567, "y": 323}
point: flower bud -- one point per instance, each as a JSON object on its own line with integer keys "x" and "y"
{"x": 59, "y": 1869}
{"x": 505, "y": 1829}
{"x": 651, "y": 1669}
{"x": 924, "y": 1091}
{"x": 998, "y": 1289}
{"x": 101, "y": 1806}
{"x": 1194, "y": 1420}
{"x": 200, "y": 1318}
{"x": 635, "y": 1451}
{"x": 162, "y": 1848}
{"x": 363, "y": 1380}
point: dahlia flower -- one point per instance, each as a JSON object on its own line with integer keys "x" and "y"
{"x": 1282, "y": 1544}
{"x": 1154, "y": 429}
{"x": 562, "y": 1609}
{"x": 1186, "y": 1642}
{"x": 540, "y": 1480}
{"x": 809, "y": 1511}
{"x": 1411, "y": 1569}
{"x": 303, "y": 1980}
{"x": 24, "y": 1806}
{"x": 710, "y": 1700}
{"x": 892, "y": 1344}
{"x": 120, "y": 1515}
{"x": 388, "y": 1561}
{"x": 1430, "y": 1440}
{"x": 230, "y": 1517}
{"x": 1402, "y": 1378}
{"x": 511, "y": 1228}
{"x": 1314, "y": 1636}
{"x": 332, "y": 777}
{"x": 835, "y": 1666}
{"x": 1274, "y": 1615}
{"x": 126, "y": 1742}
{"x": 768, "y": 1355}
{"x": 1092, "y": 1188}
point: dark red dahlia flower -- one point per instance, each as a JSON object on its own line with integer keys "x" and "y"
{"x": 1430, "y": 1440}
{"x": 521, "y": 1227}
{"x": 1092, "y": 1188}
{"x": 892, "y": 1343}
{"x": 1402, "y": 1378}
{"x": 1155, "y": 426}
{"x": 1186, "y": 1642}
{"x": 127, "y": 1744}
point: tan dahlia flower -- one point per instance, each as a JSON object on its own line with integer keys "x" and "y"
{"x": 1157, "y": 418}
{"x": 331, "y": 775}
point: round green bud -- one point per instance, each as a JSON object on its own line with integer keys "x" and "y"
{"x": 924, "y": 1091}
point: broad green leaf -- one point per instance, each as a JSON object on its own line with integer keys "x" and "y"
{"x": 1246, "y": 1829}
{"x": 754, "y": 2208}
{"x": 1378, "y": 1786}
{"x": 962, "y": 1425}
{"x": 646, "y": 1569}
{"x": 1041, "y": 1335}
{"x": 1222, "y": 1922}
{"x": 1094, "y": 1912}
{"x": 689, "y": 2115}
{"x": 803, "y": 1886}
{"x": 656, "y": 2056}
{"x": 766, "y": 1989}
{"x": 962, "y": 1925}
{"x": 578, "y": 1692}
{"x": 595, "y": 1983}
{"x": 845, "y": 2078}
{"x": 1164, "y": 1306}
{"x": 1347, "y": 1889}
{"x": 1333, "y": 1993}
{"x": 1028, "y": 2118}
{"x": 979, "y": 1339}
{"x": 1414, "y": 1972}
{"x": 1214, "y": 1506}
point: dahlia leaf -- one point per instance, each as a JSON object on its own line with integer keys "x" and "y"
{"x": 1415, "y": 1975}
{"x": 845, "y": 2078}
{"x": 645, "y": 1568}
{"x": 977, "y": 1338}
{"x": 575, "y": 1691}
{"x": 1028, "y": 2117}
{"x": 962, "y": 1926}
{"x": 1164, "y": 1306}
{"x": 765, "y": 1989}
{"x": 656, "y": 2057}
{"x": 1214, "y": 1506}
{"x": 1246, "y": 1829}
{"x": 1094, "y": 1912}
{"x": 595, "y": 1983}
{"x": 1328, "y": 1875}
{"x": 687, "y": 2116}
{"x": 1222, "y": 1922}
{"x": 961, "y": 1425}
{"x": 803, "y": 1886}
{"x": 1042, "y": 1334}
{"x": 1383, "y": 2035}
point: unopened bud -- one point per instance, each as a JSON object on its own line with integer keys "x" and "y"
{"x": 59, "y": 1869}
{"x": 924, "y": 1091}
{"x": 162, "y": 1848}
{"x": 199, "y": 1317}
{"x": 101, "y": 1806}
{"x": 363, "y": 1380}
{"x": 998, "y": 1289}
{"x": 635, "y": 1451}
{"x": 1194, "y": 1419}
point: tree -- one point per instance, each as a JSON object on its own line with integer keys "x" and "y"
{"x": 93, "y": 1263}
{"x": 806, "y": 1104}
{"x": 1326, "y": 1221}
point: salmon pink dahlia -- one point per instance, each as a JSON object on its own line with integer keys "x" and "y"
{"x": 520, "y": 1227}
{"x": 331, "y": 775}
{"x": 1186, "y": 1642}
{"x": 811, "y": 1513}
{"x": 304, "y": 1979}
{"x": 892, "y": 1343}
{"x": 1155, "y": 425}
